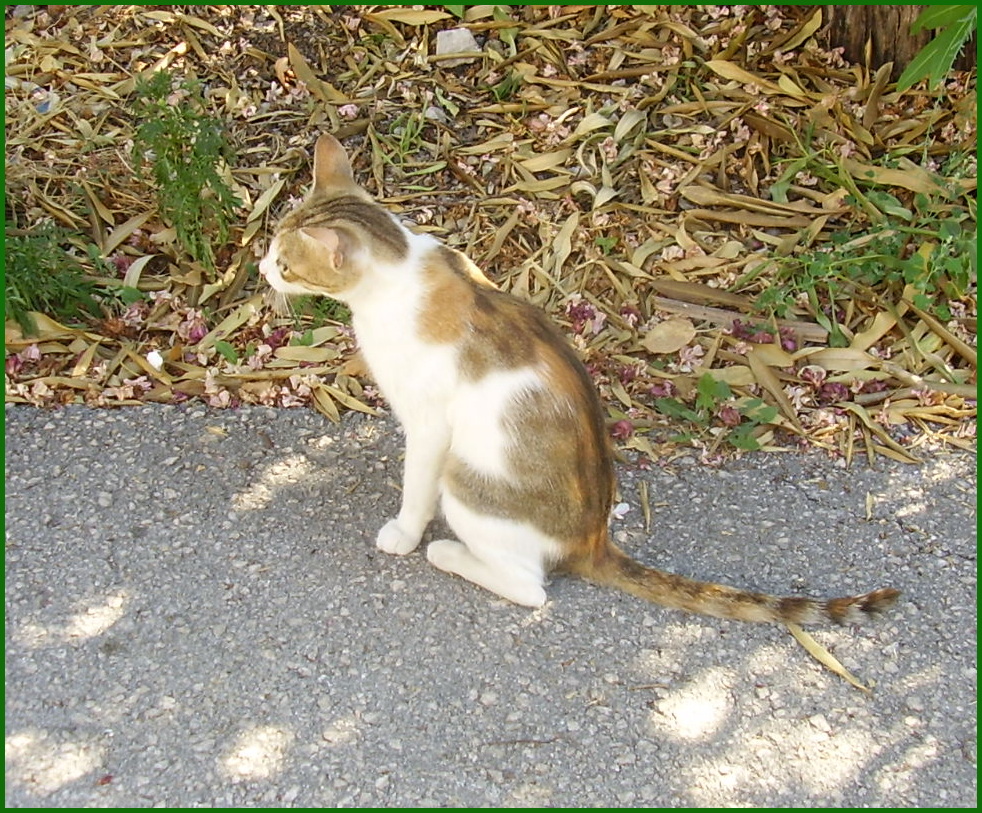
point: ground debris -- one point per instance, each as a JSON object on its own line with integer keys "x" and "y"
{"x": 646, "y": 174}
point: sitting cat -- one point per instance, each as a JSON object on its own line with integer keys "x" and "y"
{"x": 504, "y": 428}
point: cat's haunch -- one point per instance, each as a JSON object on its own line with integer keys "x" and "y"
{"x": 504, "y": 429}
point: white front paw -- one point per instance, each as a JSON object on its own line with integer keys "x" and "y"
{"x": 392, "y": 539}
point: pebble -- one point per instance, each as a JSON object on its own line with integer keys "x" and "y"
{"x": 456, "y": 41}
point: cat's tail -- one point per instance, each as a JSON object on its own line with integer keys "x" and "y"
{"x": 614, "y": 568}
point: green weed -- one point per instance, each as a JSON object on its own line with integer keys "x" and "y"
{"x": 714, "y": 402}
{"x": 408, "y": 130}
{"x": 605, "y": 244}
{"x": 185, "y": 148}
{"x": 320, "y": 310}
{"x": 508, "y": 87}
{"x": 41, "y": 275}
{"x": 933, "y": 251}
{"x": 927, "y": 241}
{"x": 403, "y": 140}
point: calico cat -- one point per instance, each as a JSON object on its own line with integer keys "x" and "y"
{"x": 504, "y": 428}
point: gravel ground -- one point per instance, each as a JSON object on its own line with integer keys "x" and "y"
{"x": 196, "y": 616}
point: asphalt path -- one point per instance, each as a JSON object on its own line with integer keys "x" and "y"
{"x": 196, "y": 615}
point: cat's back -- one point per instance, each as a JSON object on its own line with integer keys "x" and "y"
{"x": 524, "y": 413}
{"x": 493, "y": 331}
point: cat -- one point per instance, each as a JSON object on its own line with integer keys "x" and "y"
{"x": 504, "y": 427}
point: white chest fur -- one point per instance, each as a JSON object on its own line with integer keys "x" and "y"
{"x": 414, "y": 375}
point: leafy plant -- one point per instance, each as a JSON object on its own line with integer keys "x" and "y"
{"x": 41, "y": 275}
{"x": 714, "y": 399}
{"x": 321, "y": 309}
{"x": 507, "y": 87}
{"x": 185, "y": 148}
{"x": 926, "y": 240}
{"x": 929, "y": 247}
{"x": 934, "y": 60}
{"x": 507, "y": 35}
{"x": 227, "y": 351}
{"x": 605, "y": 244}
{"x": 408, "y": 129}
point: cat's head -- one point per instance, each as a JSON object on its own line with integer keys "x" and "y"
{"x": 325, "y": 245}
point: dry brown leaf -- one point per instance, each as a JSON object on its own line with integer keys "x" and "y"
{"x": 546, "y": 161}
{"x": 323, "y": 90}
{"x": 265, "y": 199}
{"x": 824, "y": 657}
{"x": 773, "y": 355}
{"x": 807, "y": 28}
{"x": 898, "y": 451}
{"x": 347, "y": 400}
{"x": 233, "y": 321}
{"x": 409, "y": 16}
{"x": 911, "y": 177}
{"x": 306, "y": 353}
{"x": 840, "y": 359}
{"x": 737, "y": 375}
{"x": 766, "y": 378}
{"x": 732, "y": 71}
{"x": 882, "y": 323}
{"x": 965, "y": 350}
{"x": 669, "y": 336}
{"x": 563, "y": 244}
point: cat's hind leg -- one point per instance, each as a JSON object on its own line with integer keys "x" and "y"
{"x": 503, "y": 556}
{"x": 455, "y": 557}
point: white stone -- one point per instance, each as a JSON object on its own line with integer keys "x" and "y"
{"x": 456, "y": 41}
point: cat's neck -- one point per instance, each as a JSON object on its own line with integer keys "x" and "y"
{"x": 386, "y": 287}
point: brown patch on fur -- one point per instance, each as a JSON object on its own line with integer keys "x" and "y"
{"x": 463, "y": 266}
{"x": 495, "y": 331}
{"x": 505, "y": 334}
{"x": 454, "y": 284}
{"x": 444, "y": 315}
{"x": 562, "y": 479}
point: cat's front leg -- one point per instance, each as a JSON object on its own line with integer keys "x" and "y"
{"x": 426, "y": 450}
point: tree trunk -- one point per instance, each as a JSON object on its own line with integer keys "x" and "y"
{"x": 886, "y": 31}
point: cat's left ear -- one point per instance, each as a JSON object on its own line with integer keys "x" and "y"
{"x": 329, "y": 239}
{"x": 331, "y": 166}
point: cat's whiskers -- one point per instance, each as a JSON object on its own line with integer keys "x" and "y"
{"x": 279, "y": 303}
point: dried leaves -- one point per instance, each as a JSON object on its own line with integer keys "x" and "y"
{"x": 646, "y": 174}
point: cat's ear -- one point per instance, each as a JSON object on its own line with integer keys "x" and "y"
{"x": 330, "y": 240}
{"x": 331, "y": 166}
